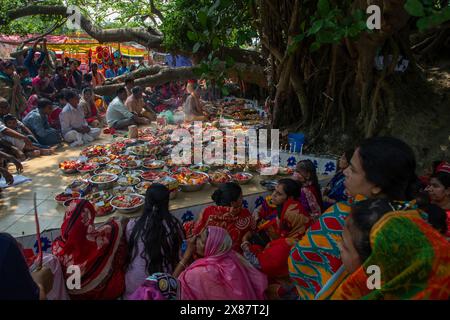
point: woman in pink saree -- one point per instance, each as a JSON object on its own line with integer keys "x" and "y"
{"x": 220, "y": 273}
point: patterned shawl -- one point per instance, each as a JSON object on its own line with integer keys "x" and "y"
{"x": 414, "y": 261}
{"x": 316, "y": 257}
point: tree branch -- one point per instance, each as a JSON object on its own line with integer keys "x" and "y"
{"x": 155, "y": 11}
{"x": 139, "y": 35}
{"x": 157, "y": 75}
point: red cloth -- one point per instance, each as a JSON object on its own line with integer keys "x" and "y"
{"x": 236, "y": 225}
{"x": 100, "y": 252}
{"x": 53, "y": 118}
{"x": 273, "y": 259}
{"x": 443, "y": 167}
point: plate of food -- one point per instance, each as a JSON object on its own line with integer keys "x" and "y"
{"x": 128, "y": 203}
{"x": 220, "y": 177}
{"x": 101, "y": 161}
{"x": 191, "y": 181}
{"x": 200, "y": 167}
{"x": 119, "y": 190}
{"x": 79, "y": 185}
{"x": 101, "y": 202}
{"x": 128, "y": 180}
{"x": 153, "y": 175}
{"x": 286, "y": 171}
{"x": 69, "y": 166}
{"x": 95, "y": 151}
{"x": 103, "y": 181}
{"x": 101, "y": 196}
{"x": 130, "y": 164}
{"x": 153, "y": 164}
{"x": 63, "y": 196}
{"x": 87, "y": 167}
{"x": 145, "y": 150}
{"x": 141, "y": 187}
{"x": 242, "y": 177}
{"x": 109, "y": 169}
{"x": 171, "y": 184}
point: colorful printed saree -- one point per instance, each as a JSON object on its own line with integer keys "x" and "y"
{"x": 414, "y": 262}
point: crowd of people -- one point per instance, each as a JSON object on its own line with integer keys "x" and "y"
{"x": 302, "y": 242}
{"x": 41, "y": 109}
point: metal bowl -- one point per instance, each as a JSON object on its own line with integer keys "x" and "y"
{"x": 104, "y": 185}
{"x": 194, "y": 187}
{"x": 71, "y": 197}
{"x": 249, "y": 175}
{"x": 104, "y": 169}
{"x": 132, "y": 209}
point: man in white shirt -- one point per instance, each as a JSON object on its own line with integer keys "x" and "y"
{"x": 117, "y": 114}
{"x": 74, "y": 126}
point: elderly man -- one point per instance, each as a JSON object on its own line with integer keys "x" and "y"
{"x": 136, "y": 104}
{"x": 74, "y": 126}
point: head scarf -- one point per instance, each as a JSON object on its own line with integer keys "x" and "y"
{"x": 414, "y": 260}
{"x": 222, "y": 274}
{"x": 158, "y": 286}
{"x": 93, "y": 249}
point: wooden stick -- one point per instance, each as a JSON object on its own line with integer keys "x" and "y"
{"x": 38, "y": 233}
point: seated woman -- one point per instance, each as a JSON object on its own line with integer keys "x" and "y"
{"x": 193, "y": 106}
{"x": 227, "y": 213}
{"x": 439, "y": 191}
{"x": 413, "y": 258}
{"x": 310, "y": 194}
{"x": 154, "y": 240}
{"x": 220, "y": 273}
{"x": 278, "y": 230}
{"x": 100, "y": 251}
{"x": 87, "y": 103}
{"x": 335, "y": 190}
{"x": 371, "y": 174}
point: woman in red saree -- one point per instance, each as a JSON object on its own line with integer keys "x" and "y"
{"x": 99, "y": 252}
{"x": 278, "y": 229}
{"x": 227, "y": 213}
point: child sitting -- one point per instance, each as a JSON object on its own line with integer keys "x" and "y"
{"x": 37, "y": 149}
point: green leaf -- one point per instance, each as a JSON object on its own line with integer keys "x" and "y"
{"x": 192, "y": 36}
{"x": 415, "y": 8}
{"x": 196, "y": 47}
{"x": 315, "y": 27}
{"x": 203, "y": 18}
{"x": 213, "y": 7}
{"x": 323, "y": 6}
